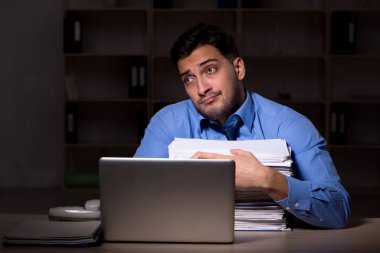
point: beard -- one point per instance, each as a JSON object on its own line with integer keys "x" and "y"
{"x": 226, "y": 107}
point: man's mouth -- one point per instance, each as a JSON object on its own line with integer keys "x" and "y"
{"x": 209, "y": 99}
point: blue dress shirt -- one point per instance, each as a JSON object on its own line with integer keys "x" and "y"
{"x": 316, "y": 194}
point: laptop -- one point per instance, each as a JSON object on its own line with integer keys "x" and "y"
{"x": 166, "y": 200}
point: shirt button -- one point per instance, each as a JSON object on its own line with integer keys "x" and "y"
{"x": 287, "y": 208}
{"x": 296, "y": 204}
{"x": 320, "y": 219}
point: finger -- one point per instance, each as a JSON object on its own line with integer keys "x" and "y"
{"x": 240, "y": 152}
{"x": 243, "y": 153}
{"x": 206, "y": 155}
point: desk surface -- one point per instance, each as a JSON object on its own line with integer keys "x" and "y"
{"x": 361, "y": 235}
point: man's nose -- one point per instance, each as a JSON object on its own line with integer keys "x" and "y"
{"x": 203, "y": 86}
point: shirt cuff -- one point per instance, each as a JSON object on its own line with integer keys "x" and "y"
{"x": 298, "y": 196}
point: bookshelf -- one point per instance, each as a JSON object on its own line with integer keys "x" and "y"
{"x": 287, "y": 47}
{"x": 109, "y": 103}
{"x": 352, "y": 85}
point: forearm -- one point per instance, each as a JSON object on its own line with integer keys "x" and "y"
{"x": 319, "y": 205}
{"x": 275, "y": 184}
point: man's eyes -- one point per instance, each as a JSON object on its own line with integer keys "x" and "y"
{"x": 211, "y": 70}
{"x": 188, "y": 79}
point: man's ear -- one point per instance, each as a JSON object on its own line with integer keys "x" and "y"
{"x": 239, "y": 67}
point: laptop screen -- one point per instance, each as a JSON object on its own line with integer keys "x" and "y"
{"x": 166, "y": 200}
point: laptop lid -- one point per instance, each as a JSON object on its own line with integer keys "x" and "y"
{"x": 165, "y": 200}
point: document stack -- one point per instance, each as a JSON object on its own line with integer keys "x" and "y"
{"x": 254, "y": 209}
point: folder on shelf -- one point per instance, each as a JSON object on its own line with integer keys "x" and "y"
{"x": 72, "y": 34}
{"x": 70, "y": 86}
{"x": 162, "y": 4}
{"x": 338, "y": 128}
{"x": 138, "y": 81}
{"x": 71, "y": 127}
{"x": 343, "y": 33}
{"x": 227, "y": 3}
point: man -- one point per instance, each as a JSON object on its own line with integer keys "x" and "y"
{"x": 212, "y": 72}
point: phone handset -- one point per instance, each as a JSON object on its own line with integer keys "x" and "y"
{"x": 91, "y": 211}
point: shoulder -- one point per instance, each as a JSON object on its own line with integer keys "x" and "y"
{"x": 176, "y": 110}
{"x": 177, "y": 115}
{"x": 272, "y": 110}
{"x": 281, "y": 121}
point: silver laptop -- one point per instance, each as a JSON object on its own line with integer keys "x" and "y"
{"x": 163, "y": 200}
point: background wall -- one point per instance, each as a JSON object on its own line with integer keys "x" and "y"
{"x": 31, "y": 127}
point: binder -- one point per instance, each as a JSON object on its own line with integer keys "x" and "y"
{"x": 162, "y": 4}
{"x": 71, "y": 123}
{"x": 250, "y": 3}
{"x": 72, "y": 34}
{"x": 227, "y": 3}
{"x": 343, "y": 33}
{"x": 138, "y": 81}
{"x": 338, "y": 127}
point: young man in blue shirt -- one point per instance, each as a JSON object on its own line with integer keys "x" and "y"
{"x": 212, "y": 72}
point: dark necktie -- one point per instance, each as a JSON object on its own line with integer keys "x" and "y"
{"x": 232, "y": 131}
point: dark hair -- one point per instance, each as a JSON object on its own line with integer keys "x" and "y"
{"x": 204, "y": 34}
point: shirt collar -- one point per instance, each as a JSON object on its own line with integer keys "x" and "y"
{"x": 246, "y": 112}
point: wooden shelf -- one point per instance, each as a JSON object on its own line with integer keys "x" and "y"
{"x": 286, "y": 47}
{"x": 104, "y": 100}
{"x": 94, "y": 55}
{"x": 273, "y": 10}
{"x": 102, "y": 145}
{"x": 355, "y": 146}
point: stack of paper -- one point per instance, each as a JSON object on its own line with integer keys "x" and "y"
{"x": 273, "y": 151}
{"x": 254, "y": 209}
{"x": 253, "y": 216}
{"x": 54, "y": 233}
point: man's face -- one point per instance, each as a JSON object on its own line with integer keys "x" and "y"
{"x": 212, "y": 82}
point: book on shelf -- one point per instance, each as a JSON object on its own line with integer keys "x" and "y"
{"x": 138, "y": 81}
{"x": 72, "y": 34}
{"x": 71, "y": 123}
{"x": 227, "y": 3}
{"x": 250, "y": 3}
{"x": 162, "y": 4}
{"x": 338, "y": 125}
{"x": 70, "y": 86}
{"x": 343, "y": 33}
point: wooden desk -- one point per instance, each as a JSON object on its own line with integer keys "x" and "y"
{"x": 361, "y": 235}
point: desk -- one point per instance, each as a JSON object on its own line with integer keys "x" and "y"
{"x": 361, "y": 235}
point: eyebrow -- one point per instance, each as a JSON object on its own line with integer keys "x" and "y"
{"x": 201, "y": 64}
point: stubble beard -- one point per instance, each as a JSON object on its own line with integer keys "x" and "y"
{"x": 226, "y": 107}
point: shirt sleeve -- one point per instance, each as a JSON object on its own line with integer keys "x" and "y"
{"x": 156, "y": 139}
{"x": 316, "y": 195}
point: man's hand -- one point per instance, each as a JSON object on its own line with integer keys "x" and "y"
{"x": 251, "y": 174}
